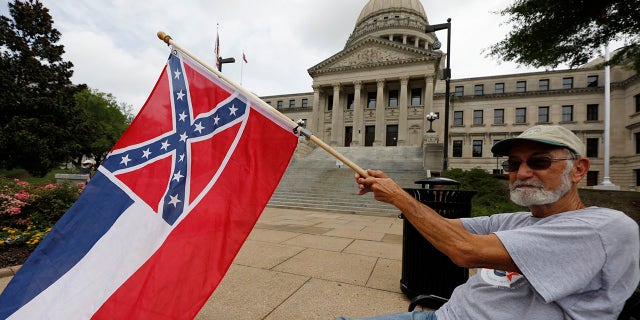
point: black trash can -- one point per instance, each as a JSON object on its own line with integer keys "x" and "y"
{"x": 425, "y": 270}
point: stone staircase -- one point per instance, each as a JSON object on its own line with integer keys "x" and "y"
{"x": 314, "y": 181}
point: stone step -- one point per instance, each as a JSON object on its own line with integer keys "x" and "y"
{"x": 314, "y": 181}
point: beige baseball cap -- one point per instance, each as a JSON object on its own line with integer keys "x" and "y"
{"x": 548, "y": 134}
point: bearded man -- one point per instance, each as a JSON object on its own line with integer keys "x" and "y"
{"x": 559, "y": 260}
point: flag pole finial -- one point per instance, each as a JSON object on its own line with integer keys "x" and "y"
{"x": 164, "y": 37}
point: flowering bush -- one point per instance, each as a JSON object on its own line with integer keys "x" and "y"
{"x": 28, "y": 212}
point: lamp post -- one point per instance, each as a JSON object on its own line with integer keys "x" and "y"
{"x": 431, "y": 117}
{"x": 447, "y": 77}
{"x": 225, "y": 60}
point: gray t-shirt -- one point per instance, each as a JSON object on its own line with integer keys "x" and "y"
{"x": 579, "y": 264}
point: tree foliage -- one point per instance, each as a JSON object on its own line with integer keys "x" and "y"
{"x": 549, "y": 32}
{"x": 105, "y": 122}
{"x": 38, "y": 119}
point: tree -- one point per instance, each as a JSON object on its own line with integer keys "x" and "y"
{"x": 37, "y": 110}
{"x": 549, "y": 32}
{"x": 106, "y": 120}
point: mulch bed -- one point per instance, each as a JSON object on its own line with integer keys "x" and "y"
{"x": 13, "y": 256}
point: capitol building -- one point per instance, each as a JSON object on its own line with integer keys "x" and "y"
{"x": 381, "y": 87}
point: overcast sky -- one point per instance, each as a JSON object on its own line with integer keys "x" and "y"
{"x": 114, "y": 48}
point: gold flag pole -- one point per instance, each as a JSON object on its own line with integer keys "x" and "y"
{"x": 169, "y": 41}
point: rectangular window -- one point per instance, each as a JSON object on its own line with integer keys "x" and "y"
{"x": 499, "y": 87}
{"x": 416, "y": 96}
{"x": 369, "y": 135}
{"x": 279, "y": 105}
{"x": 521, "y": 115}
{"x": 292, "y": 103}
{"x": 543, "y": 114}
{"x": 305, "y": 102}
{"x": 478, "y": 117}
{"x": 592, "y": 112}
{"x": 477, "y": 148}
{"x": 592, "y": 178}
{"x": 543, "y": 84}
{"x": 459, "y": 91}
{"x": 330, "y": 102}
{"x": 269, "y": 103}
{"x": 567, "y": 113}
{"x": 371, "y": 100}
{"x": 498, "y": 116}
{"x": 637, "y": 98}
{"x": 637, "y": 136}
{"x": 457, "y": 148}
{"x": 393, "y": 98}
{"x": 567, "y": 83}
{"x": 592, "y": 147}
{"x": 457, "y": 118}
{"x": 521, "y": 86}
{"x": 478, "y": 90}
{"x": 350, "y": 99}
{"x": 592, "y": 81}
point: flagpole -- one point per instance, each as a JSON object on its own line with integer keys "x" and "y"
{"x": 169, "y": 41}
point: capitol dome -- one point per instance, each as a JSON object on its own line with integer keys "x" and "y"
{"x": 401, "y": 21}
{"x": 375, "y": 7}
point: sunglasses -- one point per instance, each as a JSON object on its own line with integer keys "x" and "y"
{"x": 536, "y": 162}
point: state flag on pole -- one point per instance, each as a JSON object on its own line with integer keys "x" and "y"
{"x": 244, "y": 58}
{"x": 155, "y": 230}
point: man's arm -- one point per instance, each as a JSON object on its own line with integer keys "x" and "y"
{"x": 447, "y": 235}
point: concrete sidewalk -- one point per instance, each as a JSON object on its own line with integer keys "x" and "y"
{"x": 299, "y": 264}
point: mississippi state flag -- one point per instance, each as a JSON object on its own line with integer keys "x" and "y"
{"x": 158, "y": 226}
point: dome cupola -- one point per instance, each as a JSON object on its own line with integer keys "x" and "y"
{"x": 401, "y": 21}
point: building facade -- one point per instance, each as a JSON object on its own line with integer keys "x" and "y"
{"x": 379, "y": 89}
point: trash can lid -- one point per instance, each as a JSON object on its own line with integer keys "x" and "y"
{"x": 435, "y": 181}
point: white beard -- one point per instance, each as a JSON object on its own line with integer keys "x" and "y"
{"x": 535, "y": 194}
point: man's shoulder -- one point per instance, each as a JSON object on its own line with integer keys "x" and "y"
{"x": 603, "y": 218}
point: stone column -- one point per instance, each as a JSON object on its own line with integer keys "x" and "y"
{"x": 336, "y": 114}
{"x": 380, "y": 114}
{"x": 318, "y": 111}
{"x": 403, "y": 117}
{"x": 358, "y": 115}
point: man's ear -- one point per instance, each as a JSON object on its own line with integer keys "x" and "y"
{"x": 580, "y": 169}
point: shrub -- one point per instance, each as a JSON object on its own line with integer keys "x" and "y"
{"x": 492, "y": 192}
{"x": 28, "y": 212}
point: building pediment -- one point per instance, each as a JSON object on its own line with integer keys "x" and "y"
{"x": 373, "y": 53}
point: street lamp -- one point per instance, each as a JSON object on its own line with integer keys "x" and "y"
{"x": 446, "y": 74}
{"x": 225, "y": 60}
{"x": 431, "y": 117}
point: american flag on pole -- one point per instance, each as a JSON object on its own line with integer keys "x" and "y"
{"x": 155, "y": 230}
{"x": 216, "y": 50}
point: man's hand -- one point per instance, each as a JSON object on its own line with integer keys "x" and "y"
{"x": 384, "y": 188}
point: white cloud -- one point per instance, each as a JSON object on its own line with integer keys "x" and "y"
{"x": 114, "y": 48}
